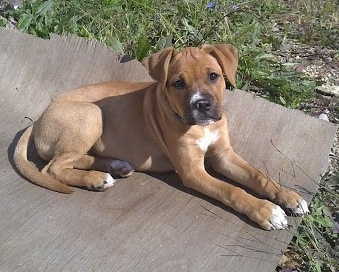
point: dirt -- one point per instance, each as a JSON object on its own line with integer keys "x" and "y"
{"x": 322, "y": 65}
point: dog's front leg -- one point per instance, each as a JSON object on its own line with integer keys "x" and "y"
{"x": 263, "y": 212}
{"x": 232, "y": 166}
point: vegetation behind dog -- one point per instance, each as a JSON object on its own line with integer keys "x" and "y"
{"x": 259, "y": 29}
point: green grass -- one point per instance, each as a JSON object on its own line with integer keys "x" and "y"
{"x": 259, "y": 29}
{"x": 316, "y": 246}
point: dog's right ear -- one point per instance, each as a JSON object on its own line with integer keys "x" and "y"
{"x": 157, "y": 64}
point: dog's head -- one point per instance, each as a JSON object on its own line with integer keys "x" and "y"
{"x": 194, "y": 80}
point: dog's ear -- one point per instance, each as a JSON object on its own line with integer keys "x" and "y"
{"x": 157, "y": 64}
{"x": 227, "y": 56}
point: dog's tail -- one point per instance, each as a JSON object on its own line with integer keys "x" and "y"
{"x": 29, "y": 171}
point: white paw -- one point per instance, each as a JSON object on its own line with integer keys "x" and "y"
{"x": 109, "y": 181}
{"x": 106, "y": 184}
{"x": 121, "y": 168}
{"x": 301, "y": 207}
{"x": 278, "y": 219}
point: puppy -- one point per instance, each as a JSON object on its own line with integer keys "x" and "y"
{"x": 176, "y": 122}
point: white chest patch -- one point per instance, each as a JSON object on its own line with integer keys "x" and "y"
{"x": 208, "y": 139}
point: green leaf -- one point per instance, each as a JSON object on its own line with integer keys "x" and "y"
{"x": 142, "y": 48}
{"x": 282, "y": 100}
{"x": 25, "y": 21}
{"x": 42, "y": 33}
{"x": 116, "y": 45}
{"x": 44, "y": 8}
{"x": 164, "y": 42}
{"x": 3, "y": 21}
{"x": 318, "y": 266}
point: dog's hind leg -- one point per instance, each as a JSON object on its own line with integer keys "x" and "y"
{"x": 88, "y": 162}
{"x": 117, "y": 168}
{"x": 63, "y": 135}
{"x": 62, "y": 168}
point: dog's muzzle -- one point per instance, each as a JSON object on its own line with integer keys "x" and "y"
{"x": 203, "y": 110}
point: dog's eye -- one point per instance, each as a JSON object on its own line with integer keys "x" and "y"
{"x": 178, "y": 84}
{"x": 213, "y": 77}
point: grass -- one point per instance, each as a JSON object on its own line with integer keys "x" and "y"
{"x": 141, "y": 27}
{"x": 259, "y": 29}
{"x": 315, "y": 247}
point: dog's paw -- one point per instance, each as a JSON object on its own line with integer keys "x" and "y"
{"x": 269, "y": 216}
{"x": 121, "y": 169}
{"x": 99, "y": 181}
{"x": 293, "y": 203}
{"x": 299, "y": 208}
{"x": 278, "y": 219}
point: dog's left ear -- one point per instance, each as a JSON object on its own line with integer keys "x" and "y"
{"x": 227, "y": 56}
{"x": 157, "y": 64}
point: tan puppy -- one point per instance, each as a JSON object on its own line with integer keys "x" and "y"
{"x": 173, "y": 123}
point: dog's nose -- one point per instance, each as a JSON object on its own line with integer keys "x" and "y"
{"x": 202, "y": 105}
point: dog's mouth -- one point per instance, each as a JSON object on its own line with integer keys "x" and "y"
{"x": 192, "y": 119}
{"x": 202, "y": 120}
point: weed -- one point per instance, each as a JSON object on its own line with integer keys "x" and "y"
{"x": 315, "y": 246}
{"x": 315, "y": 23}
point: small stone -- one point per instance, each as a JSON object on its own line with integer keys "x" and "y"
{"x": 324, "y": 117}
{"x": 329, "y": 89}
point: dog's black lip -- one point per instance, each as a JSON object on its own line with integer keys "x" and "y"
{"x": 193, "y": 121}
{"x": 213, "y": 118}
{"x": 216, "y": 118}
